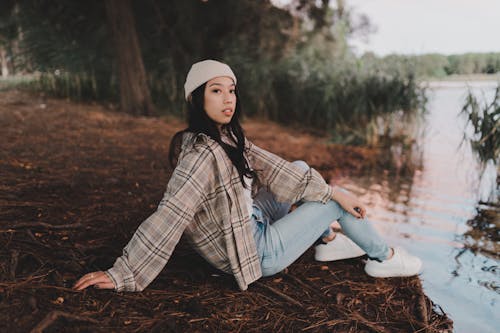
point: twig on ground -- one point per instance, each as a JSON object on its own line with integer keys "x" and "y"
{"x": 42, "y": 225}
{"x": 373, "y": 326}
{"x": 280, "y": 294}
{"x": 13, "y": 263}
{"x": 54, "y": 315}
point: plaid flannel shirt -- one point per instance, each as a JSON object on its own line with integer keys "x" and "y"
{"x": 204, "y": 198}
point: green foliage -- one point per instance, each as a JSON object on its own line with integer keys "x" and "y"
{"x": 8, "y": 24}
{"x": 293, "y": 68}
{"x": 8, "y": 34}
{"x": 473, "y": 63}
{"x": 68, "y": 43}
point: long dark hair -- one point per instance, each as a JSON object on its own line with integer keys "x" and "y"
{"x": 199, "y": 122}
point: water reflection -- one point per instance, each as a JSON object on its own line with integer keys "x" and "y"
{"x": 484, "y": 235}
{"x": 433, "y": 212}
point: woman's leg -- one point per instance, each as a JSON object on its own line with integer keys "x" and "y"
{"x": 272, "y": 210}
{"x": 288, "y": 238}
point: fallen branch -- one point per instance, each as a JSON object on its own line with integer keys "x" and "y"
{"x": 54, "y": 315}
{"x": 371, "y": 325}
{"x": 422, "y": 309}
{"x": 14, "y": 258}
{"x": 280, "y": 294}
{"x": 329, "y": 323}
{"x": 302, "y": 283}
{"x": 44, "y": 225}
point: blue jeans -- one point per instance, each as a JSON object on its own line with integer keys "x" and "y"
{"x": 282, "y": 237}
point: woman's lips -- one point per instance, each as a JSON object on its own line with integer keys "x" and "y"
{"x": 227, "y": 112}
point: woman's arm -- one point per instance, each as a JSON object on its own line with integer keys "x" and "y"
{"x": 287, "y": 181}
{"x": 290, "y": 183}
{"x": 154, "y": 241}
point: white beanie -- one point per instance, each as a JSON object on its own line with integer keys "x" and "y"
{"x": 204, "y": 71}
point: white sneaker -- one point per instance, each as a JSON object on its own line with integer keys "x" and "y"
{"x": 401, "y": 264}
{"x": 341, "y": 247}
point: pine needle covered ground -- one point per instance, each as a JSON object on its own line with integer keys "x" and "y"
{"x": 75, "y": 182}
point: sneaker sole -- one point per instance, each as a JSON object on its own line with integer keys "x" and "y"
{"x": 395, "y": 274}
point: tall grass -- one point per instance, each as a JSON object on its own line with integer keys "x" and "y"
{"x": 350, "y": 102}
{"x": 352, "y": 105}
{"x": 81, "y": 86}
{"x": 485, "y": 121}
{"x": 485, "y": 138}
{"x": 16, "y": 81}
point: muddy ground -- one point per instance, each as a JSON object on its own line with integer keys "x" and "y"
{"x": 77, "y": 179}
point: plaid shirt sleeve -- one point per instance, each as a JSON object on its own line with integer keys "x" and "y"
{"x": 152, "y": 244}
{"x": 287, "y": 181}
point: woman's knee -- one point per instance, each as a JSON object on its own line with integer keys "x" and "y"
{"x": 303, "y": 165}
{"x": 334, "y": 205}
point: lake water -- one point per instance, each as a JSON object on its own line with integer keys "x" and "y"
{"x": 428, "y": 213}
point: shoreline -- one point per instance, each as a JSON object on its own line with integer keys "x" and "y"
{"x": 461, "y": 81}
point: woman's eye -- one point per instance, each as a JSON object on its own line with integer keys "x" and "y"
{"x": 232, "y": 91}
{"x": 216, "y": 90}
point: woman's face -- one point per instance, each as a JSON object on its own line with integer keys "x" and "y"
{"x": 220, "y": 100}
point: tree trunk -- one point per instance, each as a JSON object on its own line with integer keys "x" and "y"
{"x": 3, "y": 60}
{"x": 134, "y": 92}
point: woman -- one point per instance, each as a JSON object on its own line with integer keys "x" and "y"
{"x": 232, "y": 200}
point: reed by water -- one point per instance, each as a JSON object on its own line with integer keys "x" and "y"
{"x": 484, "y": 119}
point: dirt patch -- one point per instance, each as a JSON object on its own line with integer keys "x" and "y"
{"x": 75, "y": 182}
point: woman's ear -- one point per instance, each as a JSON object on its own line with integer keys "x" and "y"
{"x": 190, "y": 99}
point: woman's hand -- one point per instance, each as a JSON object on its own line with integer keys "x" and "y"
{"x": 349, "y": 202}
{"x": 97, "y": 279}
